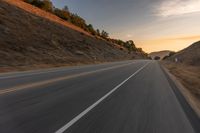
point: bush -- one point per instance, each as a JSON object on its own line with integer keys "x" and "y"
{"x": 78, "y": 21}
{"x": 65, "y": 14}
{"x": 104, "y": 34}
{"x": 91, "y": 29}
{"x": 43, "y": 4}
{"x": 130, "y": 45}
{"x": 47, "y": 5}
{"x": 62, "y": 14}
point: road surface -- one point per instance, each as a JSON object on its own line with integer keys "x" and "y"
{"x": 120, "y": 97}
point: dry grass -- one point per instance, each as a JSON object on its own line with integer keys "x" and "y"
{"x": 189, "y": 76}
{"x": 32, "y": 38}
{"x": 189, "y": 55}
{"x": 36, "y": 11}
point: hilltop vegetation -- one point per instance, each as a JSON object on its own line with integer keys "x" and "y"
{"x": 75, "y": 19}
{"x": 33, "y": 38}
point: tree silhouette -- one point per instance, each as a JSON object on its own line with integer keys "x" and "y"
{"x": 104, "y": 34}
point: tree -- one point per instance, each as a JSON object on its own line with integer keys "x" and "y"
{"x": 129, "y": 45}
{"x": 47, "y": 5}
{"x": 130, "y": 42}
{"x": 37, "y": 3}
{"x": 104, "y": 34}
{"x": 65, "y": 8}
{"x": 62, "y": 14}
{"x": 98, "y": 32}
{"x": 43, "y": 4}
{"x": 91, "y": 29}
{"x": 139, "y": 50}
{"x": 120, "y": 42}
{"x": 78, "y": 21}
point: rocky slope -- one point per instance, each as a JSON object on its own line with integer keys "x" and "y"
{"x": 31, "y": 38}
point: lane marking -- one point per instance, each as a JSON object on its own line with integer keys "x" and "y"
{"x": 50, "y": 70}
{"x": 47, "y": 82}
{"x": 75, "y": 119}
{"x": 23, "y": 74}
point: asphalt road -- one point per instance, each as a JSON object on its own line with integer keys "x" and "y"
{"x": 120, "y": 97}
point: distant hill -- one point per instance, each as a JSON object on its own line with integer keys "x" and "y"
{"x": 33, "y": 37}
{"x": 160, "y": 54}
{"x": 189, "y": 55}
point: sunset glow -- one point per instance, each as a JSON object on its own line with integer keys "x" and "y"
{"x": 154, "y": 25}
{"x": 178, "y": 7}
{"x": 174, "y": 44}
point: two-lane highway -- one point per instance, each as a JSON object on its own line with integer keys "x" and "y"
{"x": 120, "y": 97}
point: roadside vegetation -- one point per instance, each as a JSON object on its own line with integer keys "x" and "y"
{"x": 75, "y": 19}
{"x": 39, "y": 39}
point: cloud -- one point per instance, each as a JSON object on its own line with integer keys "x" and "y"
{"x": 177, "y": 7}
{"x": 129, "y": 36}
{"x": 178, "y": 38}
{"x": 194, "y": 37}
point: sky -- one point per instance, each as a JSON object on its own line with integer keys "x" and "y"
{"x": 153, "y": 25}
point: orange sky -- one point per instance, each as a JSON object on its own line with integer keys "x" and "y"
{"x": 174, "y": 25}
{"x": 154, "y": 25}
{"x": 175, "y": 44}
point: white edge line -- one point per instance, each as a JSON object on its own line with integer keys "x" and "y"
{"x": 75, "y": 119}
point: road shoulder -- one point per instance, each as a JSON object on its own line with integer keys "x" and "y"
{"x": 185, "y": 98}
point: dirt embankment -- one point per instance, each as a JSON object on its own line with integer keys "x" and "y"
{"x": 188, "y": 56}
{"x": 185, "y": 66}
{"x": 189, "y": 77}
{"x": 32, "y": 38}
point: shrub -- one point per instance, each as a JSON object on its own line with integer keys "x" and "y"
{"x": 78, "y": 21}
{"x": 91, "y": 29}
{"x": 65, "y": 14}
{"x": 62, "y": 14}
{"x": 47, "y": 5}
{"x": 104, "y": 34}
{"x": 43, "y": 4}
{"x": 130, "y": 45}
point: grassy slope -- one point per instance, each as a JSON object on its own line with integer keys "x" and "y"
{"x": 33, "y": 38}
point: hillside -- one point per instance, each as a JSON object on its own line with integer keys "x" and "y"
{"x": 160, "y": 54}
{"x": 187, "y": 71}
{"x": 189, "y": 55}
{"x": 31, "y": 37}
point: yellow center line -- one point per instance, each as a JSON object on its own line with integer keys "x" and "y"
{"x": 47, "y": 82}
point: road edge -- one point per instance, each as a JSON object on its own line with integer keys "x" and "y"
{"x": 192, "y": 114}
